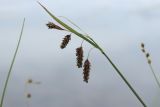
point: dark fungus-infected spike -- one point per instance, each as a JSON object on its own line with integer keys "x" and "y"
{"x": 86, "y": 70}
{"x": 65, "y": 41}
{"x": 79, "y": 54}
{"x": 51, "y": 25}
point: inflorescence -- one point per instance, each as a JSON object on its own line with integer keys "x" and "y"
{"x": 147, "y": 55}
{"x": 79, "y": 52}
{"x": 86, "y": 70}
{"x": 65, "y": 41}
{"x": 51, "y": 25}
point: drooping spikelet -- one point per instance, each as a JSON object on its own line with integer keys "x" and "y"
{"x": 79, "y": 54}
{"x": 65, "y": 41}
{"x": 51, "y": 25}
{"x": 86, "y": 70}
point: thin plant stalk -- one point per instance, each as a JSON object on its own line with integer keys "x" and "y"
{"x": 11, "y": 66}
{"x": 93, "y": 43}
{"x": 156, "y": 78}
{"x": 149, "y": 61}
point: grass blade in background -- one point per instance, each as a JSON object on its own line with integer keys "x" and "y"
{"x": 11, "y": 66}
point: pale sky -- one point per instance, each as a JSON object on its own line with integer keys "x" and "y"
{"x": 119, "y": 26}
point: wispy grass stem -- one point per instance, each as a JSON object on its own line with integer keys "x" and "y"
{"x": 11, "y": 66}
{"x": 156, "y": 78}
{"x": 125, "y": 80}
{"x": 149, "y": 61}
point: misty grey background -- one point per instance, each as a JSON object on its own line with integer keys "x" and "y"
{"x": 119, "y": 26}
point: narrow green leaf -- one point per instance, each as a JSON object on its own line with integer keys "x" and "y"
{"x": 68, "y": 27}
{"x": 11, "y": 66}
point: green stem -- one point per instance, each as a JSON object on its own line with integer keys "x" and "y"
{"x": 120, "y": 74}
{"x": 125, "y": 80}
{"x": 156, "y": 78}
{"x": 11, "y": 66}
{"x": 94, "y": 44}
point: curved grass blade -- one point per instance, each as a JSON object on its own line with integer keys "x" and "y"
{"x": 11, "y": 66}
{"x": 73, "y": 24}
{"x": 68, "y": 27}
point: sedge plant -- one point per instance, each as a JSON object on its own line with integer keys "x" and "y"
{"x": 11, "y": 66}
{"x": 92, "y": 42}
{"x": 149, "y": 61}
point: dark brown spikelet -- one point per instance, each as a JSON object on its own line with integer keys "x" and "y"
{"x": 147, "y": 55}
{"x": 28, "y": 95}
{"x": 143, "y": 50}
{"x": 79, "y": 54}
{"x": 86, "y": 70}
{"x": 53, "y": 26}
{"x": 142, "y": 45}
{"x": 65, "y": 41}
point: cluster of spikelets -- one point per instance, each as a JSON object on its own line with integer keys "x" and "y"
{"x": 29, "y": 82}
{"x": 147, "y": 55}
{"x": 28, "y": 94}
{"x": 79, "y": 52}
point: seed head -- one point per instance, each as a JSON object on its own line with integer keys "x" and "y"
{"x": 65, "y": 41}
{"x": 79, "y": 54}
{"x": 143, "y": 50}
{"x": 28, "y": 95}
{"x": 53, "y": 26}
{"x": 149, "y": 61}
{"x": 86, "y": 70}
{"x": 147, "y": 55}
{"x": 30, "y": 81}
{"x": 142, "y": 45}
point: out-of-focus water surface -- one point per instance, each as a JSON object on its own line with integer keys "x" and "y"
{"x": 119, "y": 26}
